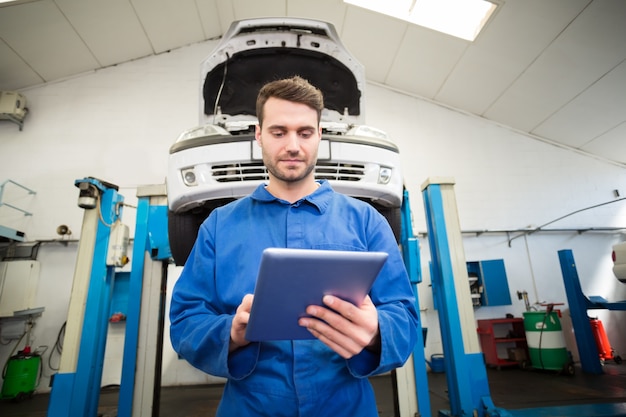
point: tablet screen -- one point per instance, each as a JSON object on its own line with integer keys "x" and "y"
{"x": 289, "y": 280}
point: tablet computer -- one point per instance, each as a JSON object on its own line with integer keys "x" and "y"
{"x": 289, "y": 280}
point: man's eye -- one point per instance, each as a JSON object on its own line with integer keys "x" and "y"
{"x": 306, "y": 135}
{"x": 278, "y": 134}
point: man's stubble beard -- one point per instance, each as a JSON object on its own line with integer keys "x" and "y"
{"x": 279, "y": 175}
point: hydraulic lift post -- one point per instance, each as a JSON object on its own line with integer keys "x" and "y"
{"x": 143, "y": 342}
{"x": 466, "y": 375}
{"x": 412, "y": 377}
{"x": 76, "y": 387}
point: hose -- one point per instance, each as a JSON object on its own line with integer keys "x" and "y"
{"x": 543, "y": 324}
{"x": 58, "y": 346}
{"x": 549, "y": 309}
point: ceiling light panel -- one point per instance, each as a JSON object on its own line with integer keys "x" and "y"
{"x": 460, "y": 18}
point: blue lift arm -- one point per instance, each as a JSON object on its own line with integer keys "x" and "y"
{"x": 578, "y": 305}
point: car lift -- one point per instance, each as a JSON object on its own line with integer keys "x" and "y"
{"x": 466, "y": 374}
{"x": 412, "y": 376}
{"x": 578, "y": 306}
{"x": 76, "y": 387}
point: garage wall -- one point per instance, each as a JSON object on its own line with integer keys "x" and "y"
{"x": 117, "y": 124}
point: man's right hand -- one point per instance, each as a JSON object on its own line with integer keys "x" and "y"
{"x": 240, "y": 322}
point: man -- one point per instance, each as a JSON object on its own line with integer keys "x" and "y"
{"x": 325, "y": 376}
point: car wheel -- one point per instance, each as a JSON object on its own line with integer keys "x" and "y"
{"x": 394, "y": 218}
{"x": 183, "y": 230}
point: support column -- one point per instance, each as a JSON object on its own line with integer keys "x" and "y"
{"x": 466, "y": 374}
{"x": 141, "y": 367}
{"x": 76, "y": 387}
{"x": 412, "y": 377}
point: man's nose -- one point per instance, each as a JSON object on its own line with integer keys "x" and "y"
{"x": 293, "y": 142}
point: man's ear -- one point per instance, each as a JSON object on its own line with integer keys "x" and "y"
{"x": 257, "y": 134}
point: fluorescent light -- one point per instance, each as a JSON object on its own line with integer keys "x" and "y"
{"x": 4, "y": 3}
{"x": 461, "y": 18}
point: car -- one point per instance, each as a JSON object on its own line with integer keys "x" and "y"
{"x": 619, "y": 261}
{"x": 218, "y": 161}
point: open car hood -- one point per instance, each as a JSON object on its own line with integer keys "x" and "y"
{"x": 256, "y": 51}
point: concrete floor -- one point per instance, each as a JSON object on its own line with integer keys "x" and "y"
{"x": 522, "y": 392}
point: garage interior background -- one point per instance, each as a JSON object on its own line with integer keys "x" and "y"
{"x": 117, "y": 124}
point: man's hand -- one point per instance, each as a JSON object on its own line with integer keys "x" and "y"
{"x": 344, "y": 327}
{"x": 240, "y": 322}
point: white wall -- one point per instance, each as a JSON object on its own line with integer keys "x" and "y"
{"x": 508, "y": 181}
{"x": 117, "y": 124}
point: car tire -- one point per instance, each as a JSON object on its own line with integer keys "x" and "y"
{"x": 183, "y": 230}
{"x": 394, "y": 218}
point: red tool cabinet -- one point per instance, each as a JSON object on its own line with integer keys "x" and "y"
{"x": 503, "y": 341}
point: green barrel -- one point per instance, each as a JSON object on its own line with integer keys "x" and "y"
{"x": 21, "y": 376}
{"x": 546, "y": 344}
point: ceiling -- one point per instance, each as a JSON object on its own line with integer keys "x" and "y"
{"x": 555, "y": 70}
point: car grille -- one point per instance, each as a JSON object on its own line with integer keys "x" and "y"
{"x": 256, "y": 171}
{"x": 253, "y": 171}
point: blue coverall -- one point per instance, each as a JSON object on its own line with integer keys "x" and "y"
{"x": 287, "y": 378}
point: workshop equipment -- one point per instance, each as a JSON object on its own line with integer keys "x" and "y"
{"x": 76, "y": 386}
{"x": 143, "y": 343}
{"x": 503, "y": 341}
{"x": 546, "y": 344}
{"x": 523, "y": 295}
{"x": 13, "y": 107}
{"x": 579, "y": 304}
{"x": 436, "y": 363}
{"x": 466, "y": 373}
{"x": 21, "y": 375}
{"x": 605, "y": 351}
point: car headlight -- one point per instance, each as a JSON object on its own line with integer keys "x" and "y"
{"x": 189, "y": 177}
{"x": 384, "y": 175}
{"x": 201, "y": 131}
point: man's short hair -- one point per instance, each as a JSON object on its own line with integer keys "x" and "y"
{"x": 295, "y": 89}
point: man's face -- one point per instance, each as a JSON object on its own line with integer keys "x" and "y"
{"x": 289, "y": 139}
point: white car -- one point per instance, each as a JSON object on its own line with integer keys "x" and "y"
{"x": 619, "y": 261}
{"x": 219, "y": 160}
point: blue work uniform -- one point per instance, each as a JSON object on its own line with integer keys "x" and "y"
{"x": 287, "y": 378}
